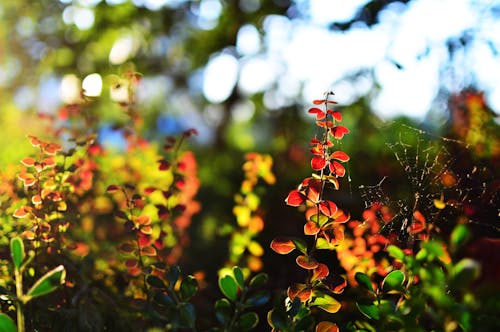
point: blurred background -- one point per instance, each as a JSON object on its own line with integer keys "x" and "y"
{"x": 244, "y": 72}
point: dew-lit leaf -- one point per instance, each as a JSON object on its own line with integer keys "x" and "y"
{"x": 306, "y": 262}
{"x": 282, "y": 246}
{"x": 326, "y": 327}
{"x": 295, "y": 198}
{"x": 340, "y": 155}
{"x": 318, "y": 163}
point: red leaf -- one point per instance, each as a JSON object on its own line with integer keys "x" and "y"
{"x": 418, "y": 224}
{"x": 163, "y": 212}
{"x": 52, "y": 148}
{"x": 164, "y": 165}
{"x": 339, "y": 131}
{"x": 341, "y": 217}
{"x": 282, "y": 246}
{"x": 337, "y": 169}
{"x": 336, "y": 115}
{"x": 328, "y": 208}
{"x": 323, "y": 124}
{"x": 295, "y": 198}
{"x": 306, "y": 262}
{"x": 28, "y": 179}
{"x": 340, "y": 156}
{"x": 311, "y": 228}
{"x": 320, "y": 272}
{"x": 318, "y": 163}
{"x": 319, "y": 113}
{"x": 131, "y": 263}
{"x": 314, "y": 190}
{"x": 112, "y": 189}
{"x": 28, "y": 161}
{"x": 149, "y": 190}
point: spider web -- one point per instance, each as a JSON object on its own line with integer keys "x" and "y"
{"x": 439, "y": 179}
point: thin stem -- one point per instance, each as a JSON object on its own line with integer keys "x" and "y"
{"x": 19, "y": 305}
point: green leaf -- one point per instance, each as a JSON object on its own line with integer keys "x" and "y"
{"x": 229, "y": 287}
{"x": 465, "y": 271}
{"x": 300, "y": 245}
{"x": 277, "y": 320}
{"x": 369, "y": 310}
{"x": 364, "y": 281}
{"x": 223, "y": 311}
{"x": 173, "y": 275}
{"x": 395, "y": 252}
{"x": 327, "y": 303}
{"x": 259, "y": 280}
{"x": 189, "y": 287}
{"x": 155, "y": 282}
{"x": 47, "y": 283}
{"x": 7, "y": 324}
{"x": 393, "y": 281}
{"x": 247, "y": 321}
{"x": 238, "y": 275}
{"x": 459, "y": 236}
{"x": 17, "y": 251}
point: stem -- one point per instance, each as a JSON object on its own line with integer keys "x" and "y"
{"x": 19, "y": 305}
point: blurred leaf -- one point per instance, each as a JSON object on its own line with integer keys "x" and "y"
{"x": 187, "y": 314}
{"x": 189, "y": 287}
{"x": 247, "y": 321}
{"x": 156, "y": 282}
{"x": 7, "y": 324}
{"x": 173, "y": 275}
{"x": 259, "y": 280}
{"x": 17, "y": 251}
{"x": 395, "y": 252}
{"x": 277, "y": 320}
{"x": 326, "y": 327}
{"x": 223, "y": 311}
{"x": 459, "y": 236}
{"x": 238, "y": 275}
{"x": 465, "y": 271}
{"x": 258, "y": 299}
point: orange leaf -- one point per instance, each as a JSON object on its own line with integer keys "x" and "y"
{"x": 28, "y": 179}
{"x": 326, "y": 327}
{"x": 319, "y": 101}
{"x": 300, "y": 291}
{"x": 295, "y": 198}
{"x": 318, "y": 163}
{"x": 320, "y": 272}
{"x": 28, "y": 161}
{"x": 148, "y": 251}
{"x": 52, "y": 148}
{"x": 282, "y": 246}
{"x": 148, "y": 230}
{"x": 34, "y": 141}
{"x": 36, "y": 199}
{"x": 311, "y": 228}
{"x": 337, "y": 169}
{"x": 21, "y": 212}
{"x": 328, "y": 208}
{"x": 306, "y": 262}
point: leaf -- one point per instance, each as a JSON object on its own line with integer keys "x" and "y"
{"x": 189, "y": 287}
{"x": 311, "y": 228}
{"x": 327, "y": 303}
{"x": 320, "y": 272}
{"x": 459, "y": 236}
{"x": 282, "y": 246}
{"x": 336, "y": 115}
{"x": 465, "y": 271}
{"x": 112, "y": 189}
{"x": 47, "y": 283}
{"x": 223, "y": 311}
{"x": 17, "y": 251}
{"x": 369, "y": 310}
{"x": 173, "y": 274}
{"x": 340, "y": 156}
{"x": 336, "y": 169}
{"x": 393, "y": 281}
{"x": 238, "y": 276}
{"x": 164, "y": 165}
{"x": 326, "y": 327}
{"x": 363, "y": 280}
{"x": 20, "y": 213}
{"x": 187, "y": 314}
{"x": 156, "y": 282}
{"x": 318, "y": 163}
{"x": 28, "y": 161}
{"x": 300, "y": 245}
{"x": 306, "y": 262}
{"x": 319, "y": 113}
{"x": 7, "y": 324}
{"x": 339, "y": 131}
{"x": 259, "y": 280}
{"x": 300, "y": 291}
{"x": 328, "y": 208}
{"x": 228, "y": 287}
{"x": 295, "y": 198}
{"x": 258, "y": 299}
{"x": 148, "y": 251}
{"x": 247, "y": 321}
{"x": 277, "y": 320}
{"x": 395, "y": 252}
